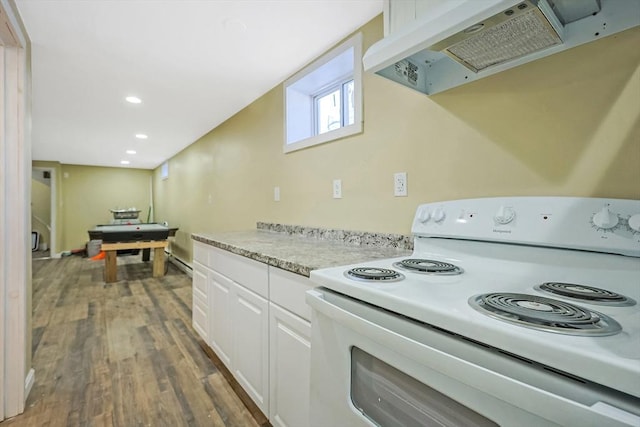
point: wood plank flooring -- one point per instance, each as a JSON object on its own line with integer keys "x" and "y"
{"x": 120, "y": 354}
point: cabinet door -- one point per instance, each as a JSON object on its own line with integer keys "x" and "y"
{"x": 251, "y": 345}
{"x": 398, "y": 14}
{"x": 220, "y": 316}
{"x": 290, "y": 352}
{"x": 200, "y": 303}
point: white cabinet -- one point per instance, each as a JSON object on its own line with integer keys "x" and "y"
{"x": 400, "y": 13}
{"x": 220, "y": 316}
{"x": 255, "y": 319}
{"x": 251, "y": 345}
{"x": 290, "y": 349}
{"x": 200, "y": 302}
{"x": 239, "y": 320}
{"x": 290, "y": 342}
{"x": 397, "y": 14}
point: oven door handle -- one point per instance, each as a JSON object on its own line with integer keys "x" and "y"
{"x": 367, "y": 321}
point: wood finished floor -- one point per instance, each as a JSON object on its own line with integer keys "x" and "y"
{"x": 123, "y": 354}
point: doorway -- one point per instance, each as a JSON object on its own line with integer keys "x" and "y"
{"x": 44, "y": 211}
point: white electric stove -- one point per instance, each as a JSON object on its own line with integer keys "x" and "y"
{"x": 514, "y": 311}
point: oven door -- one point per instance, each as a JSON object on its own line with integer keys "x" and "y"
{"x": 370, "y": 367}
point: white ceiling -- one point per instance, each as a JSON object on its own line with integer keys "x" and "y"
{"x": 194, "y": 64}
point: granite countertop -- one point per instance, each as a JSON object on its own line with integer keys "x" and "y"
{"x": 302, "y": 249}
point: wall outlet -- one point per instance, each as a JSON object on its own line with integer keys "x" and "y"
{"x": 337, "y": 189}
{"x": 276, "y": 194}
{"x": 400, "y": 184}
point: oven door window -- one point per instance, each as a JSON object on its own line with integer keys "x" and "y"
{"x": 389, "y": 397}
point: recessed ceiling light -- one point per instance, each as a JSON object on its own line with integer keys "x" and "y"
{"x": 131, "y": 151}
{"x": 133, "y": 99}
{"x": 124, "y": 162}
{"x": 141, "y": 136}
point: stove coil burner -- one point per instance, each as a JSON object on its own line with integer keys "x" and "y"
{"x": 545, "y": 314}
{"x": 373, "y": 274}
{"x": 586, "y": 294}
{"x": 428, "y": 266}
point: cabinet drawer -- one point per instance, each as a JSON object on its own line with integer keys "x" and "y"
{"x": 200, "y": 317}
{"x": 288, "y": 291}
{"x": 200, "y": 286}
{"x": 251, "y": 274}
{"x": 200, "y": 296}
{"x": 201, "y": 253}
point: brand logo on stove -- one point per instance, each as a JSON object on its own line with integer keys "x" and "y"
{"x": 496, "y": 230}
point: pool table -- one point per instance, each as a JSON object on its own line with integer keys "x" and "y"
{"x": 132, "y": 236}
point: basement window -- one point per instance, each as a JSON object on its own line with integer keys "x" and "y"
{"x": 323, "y": 102}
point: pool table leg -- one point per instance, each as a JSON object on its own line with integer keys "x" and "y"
{"x": 146, "y": 253}
{"x": 158, "y": 262}
{"x": 110, "y": 267}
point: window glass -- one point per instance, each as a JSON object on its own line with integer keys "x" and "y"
{"x": 328, "y": 108}
{"x": 389, "y": 397}
{"x": 323, "y": 102}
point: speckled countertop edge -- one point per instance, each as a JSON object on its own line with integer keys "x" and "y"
{"x": 301, "y": 249}
{"x": 357, "y": 238}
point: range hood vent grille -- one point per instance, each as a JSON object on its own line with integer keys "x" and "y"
{"x": 517, "y": 36}
{"x": 467, "y": 40}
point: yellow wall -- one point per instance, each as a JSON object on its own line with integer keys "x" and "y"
{"x": 91, "y": 191}
{"x": 568, "y": 124}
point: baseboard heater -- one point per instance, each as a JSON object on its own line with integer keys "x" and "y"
{"x": 180, "y": 264}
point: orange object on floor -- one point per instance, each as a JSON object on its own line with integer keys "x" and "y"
{"x": 98, "y": 257}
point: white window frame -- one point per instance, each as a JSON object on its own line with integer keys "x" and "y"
{"x": 301, "y": 90}
{"x": 338, "y": 85}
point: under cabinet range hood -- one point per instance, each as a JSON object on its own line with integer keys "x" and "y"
{"x": 453, "y": 42}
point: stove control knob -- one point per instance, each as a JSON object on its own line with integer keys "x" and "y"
{"x": 438, "y": 215}
{"x": 505, "y": 215}
{"x": 605, "y": 219}
{"x": 634, "y": 222}
{"x": 424, "y": 216}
